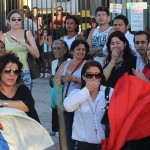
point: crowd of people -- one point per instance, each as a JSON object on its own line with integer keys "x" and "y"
{"x": 87, "y": 70}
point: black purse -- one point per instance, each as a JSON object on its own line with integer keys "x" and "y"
{"x": 34, "y": 70}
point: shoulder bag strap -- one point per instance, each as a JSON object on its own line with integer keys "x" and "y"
{"x": 105, "y": 117}
{"x": 71, "y": 74}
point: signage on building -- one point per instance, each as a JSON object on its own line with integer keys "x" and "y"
{"x": 115, "y": 8}
{"x": 142, "y": 5}
{"x": 136, "y": 19}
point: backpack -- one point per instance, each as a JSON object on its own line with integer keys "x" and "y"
{"x": 105, "y": 120}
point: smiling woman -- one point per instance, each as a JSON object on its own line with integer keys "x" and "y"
{"x": 120, "y": 59}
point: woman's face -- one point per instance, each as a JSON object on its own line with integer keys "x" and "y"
{"x": 59, "y": 11}
{"x": 58, "y": 50}
{"x": 79, "y": 52}
{"x": 10, "y": 74}
{"x": 92, "y": 73}
{"x": 45, "y": 33}
{"x": 117, "y": 45}
{"x": 15, "y": 21}
{"x": 70, "y": 25}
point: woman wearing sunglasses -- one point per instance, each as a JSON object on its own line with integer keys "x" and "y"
{"x": 14, "y": 41}
{"x": 88, "y": 104}
{"x": 12, "y": 93}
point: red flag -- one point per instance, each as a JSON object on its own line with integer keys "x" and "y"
{"x": 128, "y": 112}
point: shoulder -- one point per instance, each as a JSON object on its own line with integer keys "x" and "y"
{"x": 109, "y": 89}
{"x": 80, "y": 37}
{"x": 23, "y": 87}
{"x": 64, "y": 63}
{"x": 61, "y": 68}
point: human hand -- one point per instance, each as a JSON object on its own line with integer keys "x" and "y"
{"x": 67, "y": 78}
{"x": 139, "y": 74}
{"x": 115, "y": 55}
{"x": 91, "y": 85}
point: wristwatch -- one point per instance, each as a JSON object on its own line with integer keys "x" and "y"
{"x": 5, "y": 103}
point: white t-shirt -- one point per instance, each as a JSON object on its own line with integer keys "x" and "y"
{"x": 69, "y": 41}
{"x": 99, "y": 38}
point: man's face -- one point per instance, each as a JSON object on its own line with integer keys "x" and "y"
{"x": 141, "y": 44}
{"x": 120, "y": 25}
{"x": 102, "y": 18}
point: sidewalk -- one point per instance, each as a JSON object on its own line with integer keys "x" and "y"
{"x": 41, "y": 95}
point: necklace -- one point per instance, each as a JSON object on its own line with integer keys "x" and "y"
{"x": 118, "y": 65}
{"x": 94, "y": 115}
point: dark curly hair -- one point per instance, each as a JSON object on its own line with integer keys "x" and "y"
{"x": 10, "y": 57}
{"x": 76, "y": 43}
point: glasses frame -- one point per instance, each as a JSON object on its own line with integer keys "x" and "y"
{"x": 91, "y": 75}
{"x": 8, "y": 71}
{"x": 18, "y": 19}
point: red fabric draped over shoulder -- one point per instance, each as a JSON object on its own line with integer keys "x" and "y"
{"x": 128, "y": 112}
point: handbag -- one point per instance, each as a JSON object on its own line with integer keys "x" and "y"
{"x": 56, "y": 96}
{"x": 34, "y": 70}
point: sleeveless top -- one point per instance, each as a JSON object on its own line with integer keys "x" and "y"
{"x": 76, "y": 74}
{"x": 57, "y": 22}
{"x": 69, "y": 41}
{"x": 99, "y": 38}
{"x": 19, "y": 50}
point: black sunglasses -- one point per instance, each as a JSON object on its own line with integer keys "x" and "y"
{"x": 15, "y": 71}
{"x": 19, "y": 19}
{"x": 91, "y": 75}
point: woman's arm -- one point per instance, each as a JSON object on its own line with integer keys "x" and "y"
{"x": 107, "y": 71}
{"x": 32, "y": 48}
{"x": 75, "y": 98}
{"x": 49, "y": 40}
{"x": 16, "y": 104}
{"x": 41, "y": 41}
{"x": 59, "y": 72}
{"x": 114, "y": 57}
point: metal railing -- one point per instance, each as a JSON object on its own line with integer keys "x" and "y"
{"x": 84, "y": 10}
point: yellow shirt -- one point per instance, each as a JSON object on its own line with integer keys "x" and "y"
{"x": 19, "y": 50}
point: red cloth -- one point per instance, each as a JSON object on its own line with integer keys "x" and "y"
{"x": 146, "y": 72}
{"x": 129, "y": 112}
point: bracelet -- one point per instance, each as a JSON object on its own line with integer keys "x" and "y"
{"x": 76, "y": 80}
{"x": 5, "y": 103}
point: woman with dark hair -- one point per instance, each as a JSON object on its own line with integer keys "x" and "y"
{"x": 88, "y": 104}
{"x": 45, "y": 50}
{"x": 57, "y": 24}
{"x": 69, "y": 74}
{"x": 60, "y": 52}
{"x": 12, "y": 93}
{"x": 72, "y": 29}
{"x": 120, "y": 58}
